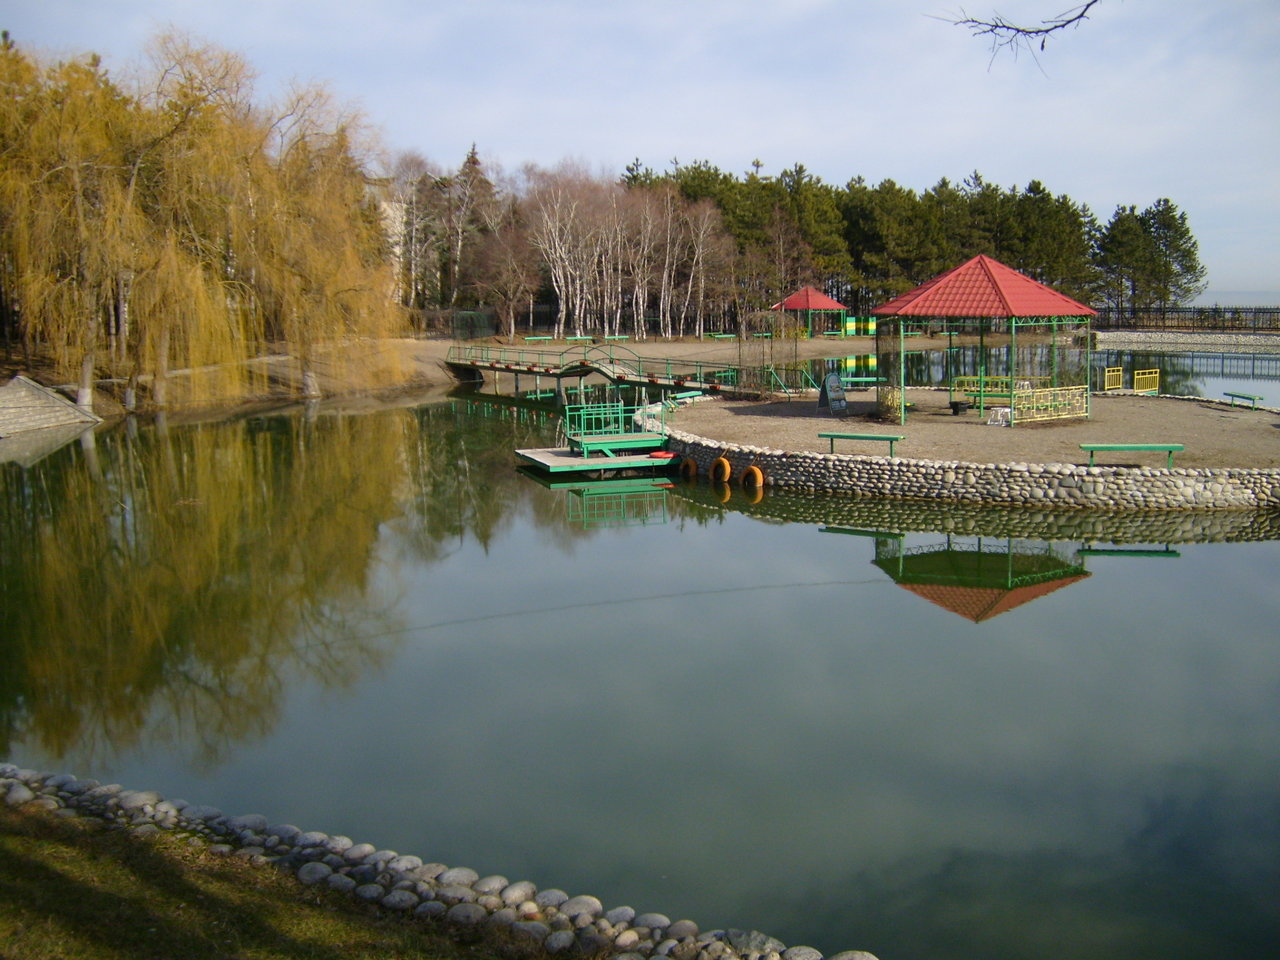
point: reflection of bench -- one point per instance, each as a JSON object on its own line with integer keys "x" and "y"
{"x": 833, "y": 436}
{"x": 1092, "y": 448}
{"x": 1252, "y": 398}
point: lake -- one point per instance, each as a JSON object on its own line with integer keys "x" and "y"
{"x": 847, "y": 725}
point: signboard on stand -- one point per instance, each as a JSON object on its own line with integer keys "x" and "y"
{"x": 832, "y": 396}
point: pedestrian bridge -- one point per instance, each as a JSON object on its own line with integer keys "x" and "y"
{"x": 623, "y": 366}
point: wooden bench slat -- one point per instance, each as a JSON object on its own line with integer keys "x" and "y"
{"x": 1251, "y": 397}
{"x": 1093, "y": 448}
{"x": 834, "y": 435}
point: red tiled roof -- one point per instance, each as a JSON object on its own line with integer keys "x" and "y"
{"x": 983, "y": 603}
{"x": 982, "y": 287}
{"x": 809, "y": 299}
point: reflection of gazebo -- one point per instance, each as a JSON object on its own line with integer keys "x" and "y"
{"x": 808, "y": 301}
{"x": 985, "y": 297}
{"x": 978, "y": 580}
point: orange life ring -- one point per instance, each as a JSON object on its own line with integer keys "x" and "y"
{"x": 689, "y": 468}
{"x": 752, "y": 478}
{"x": 720, "y": 471}
{"x": 662, "y": 455}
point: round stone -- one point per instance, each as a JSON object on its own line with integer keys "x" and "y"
{"x": 371, "y": 891}
{"x": 559, "y": 941}
{"x": 654, "y": 921}
{"x": 341, "y": 882}
{"x": 456, "y": 893}
{"x": 585, "y": 903}
{"x": 801, "y": 953}
{"x": 550, "y": 898}
{"x": 137, "y": 799}
{"x": 530, "y": 931}
{"x": 491, "y": 884}
{"x": 466, "y": 914}
{"x": 404, "y": 864}
{"x": 463, "y": 875}
{"x": 18, "y": 794}
{"x": 626, "y": 939}
{"x": 399, "y": 900}
{"x": 681, "y": 929}
{"x": 620, "y": 915}
{"x": 255, "y": 822}
{"x": 313, "y": 872}
{"x": 430, "y": 908}
{"x": 519, "y": 892}
{"x": 357, "y": 852}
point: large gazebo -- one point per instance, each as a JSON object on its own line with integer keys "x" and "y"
{"x": 985, "y": 300}
{"x": 980, "y": 578}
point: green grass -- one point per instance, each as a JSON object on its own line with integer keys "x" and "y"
{"x": 76, "y": 889}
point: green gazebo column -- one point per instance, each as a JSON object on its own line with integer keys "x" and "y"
{"x": 1013, "y": 369}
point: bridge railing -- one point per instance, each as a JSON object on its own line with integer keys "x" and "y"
{"x": 610, "y": 360}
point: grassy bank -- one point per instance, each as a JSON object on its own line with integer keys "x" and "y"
{"x": 71, "y": 888}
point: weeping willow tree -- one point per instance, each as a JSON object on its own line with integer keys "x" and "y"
{"x": 179, "y": 225}
{"x": 168, "y": 588}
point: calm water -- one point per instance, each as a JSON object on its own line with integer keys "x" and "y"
{"x": 926, "y": 744}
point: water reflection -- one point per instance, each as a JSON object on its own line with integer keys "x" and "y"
{"x": 167, "y": 585}
{"x": 376, "y": 626}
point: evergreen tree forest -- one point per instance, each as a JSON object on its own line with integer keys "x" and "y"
{"x": 177, "y": 221}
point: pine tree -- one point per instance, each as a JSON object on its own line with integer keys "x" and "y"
{"x": 1177, "y": 276}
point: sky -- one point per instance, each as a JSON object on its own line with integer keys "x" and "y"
{"x": 1146, "y": 99}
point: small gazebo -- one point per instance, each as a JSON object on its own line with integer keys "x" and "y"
{"x": 807, "y": 301}
{"x": 984, "y": 298}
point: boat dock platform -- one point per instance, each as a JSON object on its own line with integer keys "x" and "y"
{"x": 566, "y": 460}
{"x": 618, "y": 436}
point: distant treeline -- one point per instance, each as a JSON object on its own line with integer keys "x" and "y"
{"x": 176, "y": 221}
{"x": 695, "y": 246}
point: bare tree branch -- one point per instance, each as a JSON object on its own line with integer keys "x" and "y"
{"x": 1005, "y": 34}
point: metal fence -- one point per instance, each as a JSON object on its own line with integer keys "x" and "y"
{"x": 1202, "y": 319}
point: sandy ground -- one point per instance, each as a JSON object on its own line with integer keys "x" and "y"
{"x": 1214, "y": 434}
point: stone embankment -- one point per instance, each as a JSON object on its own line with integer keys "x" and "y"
{"x": 1019, "y": 484}
{"x": 459, "y": 897}
{"x": 1036, "y": 485}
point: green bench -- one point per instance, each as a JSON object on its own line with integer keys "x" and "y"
{"x": 1093, "y": 448}
{"x": 577, "y": 339}
{"x": 1252, "y": 398}
{"x": 617, "y": 336}
{"x": 721, "y": 336}
{"x": 538, "y": 338}
{"x": 834, "y": 435}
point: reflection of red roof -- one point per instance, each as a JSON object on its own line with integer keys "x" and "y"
{"x": 809, "y": 299}
{"x": 982, "y": 287}
{"x": 983, "y": 603}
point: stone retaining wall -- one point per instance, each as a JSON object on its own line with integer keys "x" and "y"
{"x": 1212, "y": 342}
{"x": 1039, "y": 485}
{"x": 530, "y": 919}
{"x": 1020, "y": 523}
